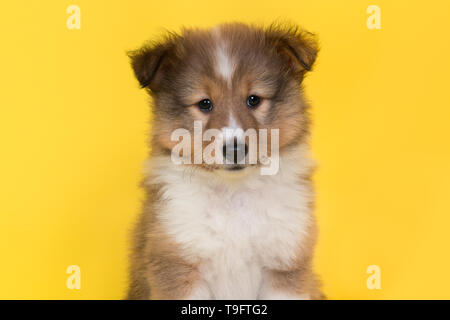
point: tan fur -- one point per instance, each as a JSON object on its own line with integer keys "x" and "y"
{"x": 299, "y": 278}
{"x": 156, "y": 262}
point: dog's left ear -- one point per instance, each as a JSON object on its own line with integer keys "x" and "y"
{"x": 298, "y": 46}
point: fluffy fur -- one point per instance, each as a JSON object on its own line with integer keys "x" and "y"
{"x": 207, "y": 232}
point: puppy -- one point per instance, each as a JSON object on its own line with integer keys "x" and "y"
{"x": 227, "y": 229}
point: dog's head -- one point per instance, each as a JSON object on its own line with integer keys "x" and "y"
{"x": 234, "y": 78}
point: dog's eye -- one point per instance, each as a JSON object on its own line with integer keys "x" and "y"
{"x": 253, "y": 101}
{"x": 205, "y": 105}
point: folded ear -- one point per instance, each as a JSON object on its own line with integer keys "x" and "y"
{"x": 149, "y": 62}
{"x": 298, "y": 46}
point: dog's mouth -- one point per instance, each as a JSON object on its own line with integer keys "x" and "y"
{"x": 235, "y": 170}
{"x": 235, "y": 167}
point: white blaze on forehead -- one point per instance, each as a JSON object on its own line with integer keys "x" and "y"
{"x": 224, "y": 63}
{"x": 224, "y": 66}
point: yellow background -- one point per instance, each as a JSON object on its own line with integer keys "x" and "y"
{"x": 73, "y": 130}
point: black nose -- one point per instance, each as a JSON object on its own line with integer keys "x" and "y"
{"x": 234, "y": 151}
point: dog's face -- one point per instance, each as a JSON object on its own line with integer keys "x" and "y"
{"x": 233, "y": 77}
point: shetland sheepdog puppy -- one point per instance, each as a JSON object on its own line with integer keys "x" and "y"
{"x": 229, "y": 199}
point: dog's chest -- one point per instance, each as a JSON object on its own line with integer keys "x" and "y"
{"x": 234, "y": 233}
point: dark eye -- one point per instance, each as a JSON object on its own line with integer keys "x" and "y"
{"x": 253, "y": 101}
{"x": 205, "y": 105}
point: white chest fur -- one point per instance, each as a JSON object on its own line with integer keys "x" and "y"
{"x": 235, "y": 228}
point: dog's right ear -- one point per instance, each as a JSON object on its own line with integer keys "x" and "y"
{"x": 149, "y": 62}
